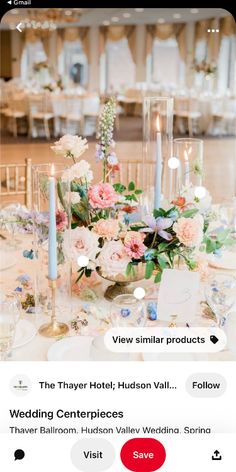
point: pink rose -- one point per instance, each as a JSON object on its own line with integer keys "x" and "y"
{"x": 108, "y": 229}
{"x": 61, "y": 220}
{"x": 102, "y": 196}
{"x": 189, "y": 231}
{"x": 134, "y": 235}
{"x": 113, "y": 259}
{"x": 135, "y": 248}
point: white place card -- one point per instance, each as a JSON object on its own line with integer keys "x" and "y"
{"x": 178, "y": 295}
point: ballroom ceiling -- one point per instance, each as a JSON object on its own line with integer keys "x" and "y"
{"x": 113, "y": 16}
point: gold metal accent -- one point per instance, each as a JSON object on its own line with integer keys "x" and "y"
{"x": 54, "y": 328}
{"x": 173, "y": 322}
{"x": 122, "y": 282}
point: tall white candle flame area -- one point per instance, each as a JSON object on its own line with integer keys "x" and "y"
{"x": 52, "y": 238}
{"x": 157, "y": 202}
{"x": 187, "y": 166}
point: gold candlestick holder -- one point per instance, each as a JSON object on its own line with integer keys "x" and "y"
{"x": 54, "y": 328}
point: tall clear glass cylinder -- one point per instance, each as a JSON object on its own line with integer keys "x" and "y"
{"x": 50, "y": 178}
{"x": 157, "y": 149}
{"x": 190, "y": 153}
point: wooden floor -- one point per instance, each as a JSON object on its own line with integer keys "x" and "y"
{"x": 219, "y": 160}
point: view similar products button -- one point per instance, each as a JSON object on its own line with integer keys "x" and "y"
{"x": 143, "y": 454}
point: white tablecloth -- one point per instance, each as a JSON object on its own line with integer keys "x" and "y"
{"x": 37, "y": 348}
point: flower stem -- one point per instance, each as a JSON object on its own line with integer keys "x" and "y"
{"x": 154, "y": 240}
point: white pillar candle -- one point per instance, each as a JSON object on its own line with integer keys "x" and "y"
{"x": 187, "y": 168}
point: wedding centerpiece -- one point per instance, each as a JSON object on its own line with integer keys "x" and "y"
{"x": 101, "y": 230}
{"x": 207, "y": 68}
{"x": 42, "y": 73}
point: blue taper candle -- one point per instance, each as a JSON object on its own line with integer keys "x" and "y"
{"x": 52, "y": 239}
{"x": 157, "y": 189}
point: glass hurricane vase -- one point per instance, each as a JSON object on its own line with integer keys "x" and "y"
{"x": 41, "y": 222}
{"x": 157, "y": 149}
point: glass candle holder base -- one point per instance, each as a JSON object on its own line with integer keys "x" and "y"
{"x": 53, "y": 329}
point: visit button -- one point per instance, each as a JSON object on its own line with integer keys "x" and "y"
{"x": 143, "y": 454}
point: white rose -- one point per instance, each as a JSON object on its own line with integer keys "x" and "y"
{"x": 70, "y": 145}
{"x": 113, "y": 259}
{"x": 80, "y": 242}
{"x": 80, "y": 170}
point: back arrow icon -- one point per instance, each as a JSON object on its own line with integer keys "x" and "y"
{"x": 18, "y": 27}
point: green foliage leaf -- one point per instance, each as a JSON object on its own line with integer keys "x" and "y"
{"x": 87, "y": 272}
{"x": 131, "y": 186}
{"x": 162, "y": 261}
{"x": 191, "y": 264}
{"x": 81, "y": 273}
{"x": 60, "y": 194}
{"x": 131, "y": 198}
{"x": 158, "y": 277}
{"x": 119, "y": 188}
{"x": 210, "y": 245}
{"x": 190, "y": 213}
{"x": 129, "y": 269}
{"x": 137, "y": 227}
{"x": 81, "y": 210}
{"x": 138, "y": 191}
{"x": 159, "y": 212}
{"x": 162, "y": 246}
{"x": 149, "y": 269}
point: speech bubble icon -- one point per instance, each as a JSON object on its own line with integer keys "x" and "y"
{"x": 19, "y": 454}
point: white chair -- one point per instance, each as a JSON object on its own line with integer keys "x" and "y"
{"x": 59, "y": 112}
{"x": 91, "y": 112}
{"x": 74, "y": 112}
{"x": 186, "y": 109}
{"x": 17, "y": 110}
{"x": 39, "y": 111}
{"x": 223, "y": 116}
{"x": 15, "y": 181}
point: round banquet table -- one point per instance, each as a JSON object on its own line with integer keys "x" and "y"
{"x": 37, "y": 348}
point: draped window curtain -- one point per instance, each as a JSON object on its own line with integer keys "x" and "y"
{"x": 66, "y": 34}
{"x": 33, "y": 36}
{"x": 116, "y": 33}
{"x": 77, "y": 34}
{"x": 226, "y": 26}
{"x": 166, "y": 31}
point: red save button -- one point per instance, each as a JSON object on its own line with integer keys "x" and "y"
{"x": 143, "y": 455}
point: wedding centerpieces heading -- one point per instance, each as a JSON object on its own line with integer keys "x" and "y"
{"x": 103, "y": 228}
